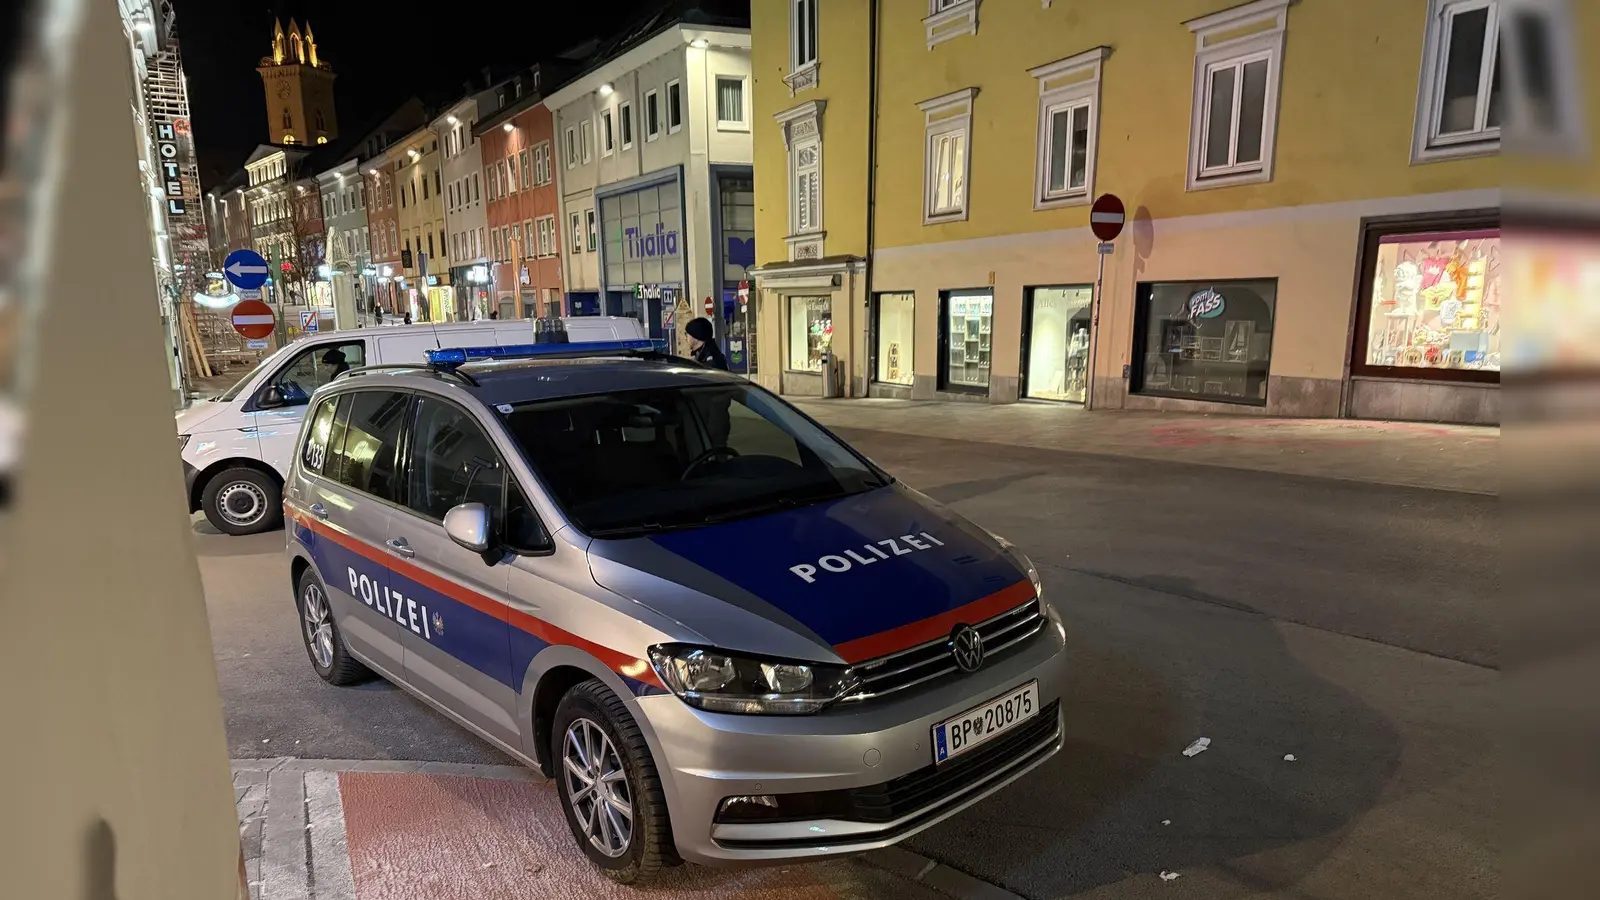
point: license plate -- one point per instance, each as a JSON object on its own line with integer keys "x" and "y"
{"x": 958, "y": 734}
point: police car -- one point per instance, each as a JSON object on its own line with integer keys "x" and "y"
{"x": 727, "y": 636}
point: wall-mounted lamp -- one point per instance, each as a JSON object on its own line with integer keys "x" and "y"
{"x": 699, "y": 43}
{"x": 606, "y": 89}
{"x": 452, "y": 120}
{"x": 509, "y": 127}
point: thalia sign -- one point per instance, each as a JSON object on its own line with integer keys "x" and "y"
{"x": 641, "y": 244}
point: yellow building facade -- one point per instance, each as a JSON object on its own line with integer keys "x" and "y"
{"x": 1312, "y": 196}
{"x": 420, "y": 212}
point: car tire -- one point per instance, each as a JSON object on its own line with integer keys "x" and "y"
{"x": 242, "y": 500}
{"x": 592, "y": 709}
{"x": 324, "y": 644}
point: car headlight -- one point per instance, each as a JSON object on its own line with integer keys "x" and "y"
{"x": 718, "y": 681}
{"x": 183, "y": 441}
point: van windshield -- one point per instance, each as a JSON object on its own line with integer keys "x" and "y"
{"x": 636, "y": 462}
{"x": 239, "y": 385}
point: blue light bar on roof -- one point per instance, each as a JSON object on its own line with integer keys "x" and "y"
{"x": 451, "y": 357}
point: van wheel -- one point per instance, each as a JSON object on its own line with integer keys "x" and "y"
{"x": 608, "y": 786}
{"x": 324, "y": 644}
{"x": 242, "y": 501}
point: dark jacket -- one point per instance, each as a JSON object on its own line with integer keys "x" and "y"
{"x": 710, "y": 354}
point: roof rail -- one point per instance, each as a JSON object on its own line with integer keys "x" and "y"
{"x": 421, "y": 368}
{"x": 447, "y": 359}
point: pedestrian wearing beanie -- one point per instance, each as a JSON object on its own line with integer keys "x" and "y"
{"x": 703, "y": 347}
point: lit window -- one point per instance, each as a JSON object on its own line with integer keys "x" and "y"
{"x": 730, "y": 104}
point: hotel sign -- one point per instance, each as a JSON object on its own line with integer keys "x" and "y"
{"x": 167, "y": 150}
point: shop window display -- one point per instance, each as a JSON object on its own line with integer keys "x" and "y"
{"x": 1058, "y": 343}
{"x": 810, "y": 332}
{"x": 1209, "y": 340}
{"x": 1435, "y": 302}
{"x": 897, "y": 319}
{"x": 969, "y": 318}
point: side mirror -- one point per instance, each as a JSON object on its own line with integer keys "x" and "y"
{"x": 468, "y": 525}
{"x": 271, "y": 398}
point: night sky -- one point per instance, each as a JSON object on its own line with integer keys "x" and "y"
{"x": 382, "y": 54}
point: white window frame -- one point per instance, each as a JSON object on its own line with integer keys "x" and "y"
{"x": 744, "y": 102}
{"x": 652, "y": 100}
{"x": 1067, "y": 84}
{"x": 547, "y": 235}
{"x": 625, "y": 136}
{"x": 948, "y": 19}
{"x": 608, "y": 131}
{"x": 947, "y": 114}
{"x": 802, "y": 128}
{"x": 1427, "y": 144}
{"x": 674, "y": 85}
{"x": 591, "y": 229}
{"x": 570, "y": 149}
{"x": 1215, "y": 50}
{"x": 586, "y": 139}
{"x": 575, "y": 232}
{"x": 803, "y": 65}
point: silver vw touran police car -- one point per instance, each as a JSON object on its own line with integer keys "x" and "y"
{"x": 726, "y": 635}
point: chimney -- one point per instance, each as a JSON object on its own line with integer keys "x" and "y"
{"x": 488, "y": 78}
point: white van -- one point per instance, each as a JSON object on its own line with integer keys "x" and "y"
{"x": 236, "y": 448}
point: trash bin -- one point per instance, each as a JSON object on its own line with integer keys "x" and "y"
{"x": 830, "y": 376}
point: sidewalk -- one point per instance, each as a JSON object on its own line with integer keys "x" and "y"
{"x": 1442, "y": 457}
{"x": 354, "y": 830}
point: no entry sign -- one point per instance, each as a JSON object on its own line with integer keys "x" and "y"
{"x": 711, "y": 307}
{"x": 1106, "y": 217}
{"x": 253, "y": 319}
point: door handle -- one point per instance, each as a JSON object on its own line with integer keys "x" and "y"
{"x": 318, "y": 510}
{"x": 400, "y": 548}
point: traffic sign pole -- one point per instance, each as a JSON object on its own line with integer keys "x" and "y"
{"x": 1106, "y": 218}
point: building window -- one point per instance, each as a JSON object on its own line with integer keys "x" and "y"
{"x": 1206, "y": 340}
{"x": 802, "y": 34}
{"x": 950, "y": 19}
{"x": 508, "y": 174}
{"x": 652, "y": 115}
{"x": 572, "y": 147}
{"x": 547, "y": 236}
{"x": 948, "y": 121}
{"x": 516, "y": 240}
{"x": 1069, "y": 112}
{"x": 541, "y": 163}
{"x": 586, "y": 139}
{"x": 402, "y": 197}
{"x": 1458, "y": 101}
{"x": 674, "y": 107}
{"x": 625, "y": 120}
{"x": 499, "y": 250}
{"x": 526, "y": 162}
{"x": 1237, "y": 72}
{"x": 608, "y": 134}
{"x": 966, "y": 322}
{"x": 807, "y": 196}
{"x": 1055, "y": 343}
{"x": 436, "y": 181}
{"x": 1434, "y": 304}
{"x": 810, "y": 332}
{"x": 476, "y": 195}
{"x": 730, "y": 104}
{"x": 591, "y": 228}
{"x": 575, "y": 232}
{"x": 424, "y": 185}
{"x": 895, "y": 331}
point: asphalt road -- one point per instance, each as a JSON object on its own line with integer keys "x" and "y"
{"x": 1343, "y": 624}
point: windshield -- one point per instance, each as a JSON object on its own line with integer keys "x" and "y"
{"x": 652, "y": 460}
{"x": 240, "y": 385}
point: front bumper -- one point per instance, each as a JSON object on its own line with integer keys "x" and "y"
{"x": 866, "y": 768}
{"x": 190, "y": 473}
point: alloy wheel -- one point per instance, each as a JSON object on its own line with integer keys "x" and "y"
{"x": 319, "y": 625}
{"x": 597, "y": 787}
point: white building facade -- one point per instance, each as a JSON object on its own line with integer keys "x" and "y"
{"x": 465, "y": 214}
{"x": 653, "y": 160}
{"x": 348, "y": 250}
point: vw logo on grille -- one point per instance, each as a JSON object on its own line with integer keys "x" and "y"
{"x": 966, "y": 648}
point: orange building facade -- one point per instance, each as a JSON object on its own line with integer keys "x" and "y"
{"x": 523, "y": 203}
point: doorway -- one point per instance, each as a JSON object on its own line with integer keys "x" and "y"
{"x": 1055, "y": 343}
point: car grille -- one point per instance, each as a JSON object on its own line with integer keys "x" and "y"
{"x": 930, "y": 661}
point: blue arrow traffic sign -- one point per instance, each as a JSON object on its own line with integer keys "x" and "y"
{"x": 245, "y": 269}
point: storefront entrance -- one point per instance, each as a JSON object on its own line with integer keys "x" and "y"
{"x": 1055, "y": 343}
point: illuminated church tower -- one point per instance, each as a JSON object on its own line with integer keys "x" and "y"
{"x": 299, "y": 89}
